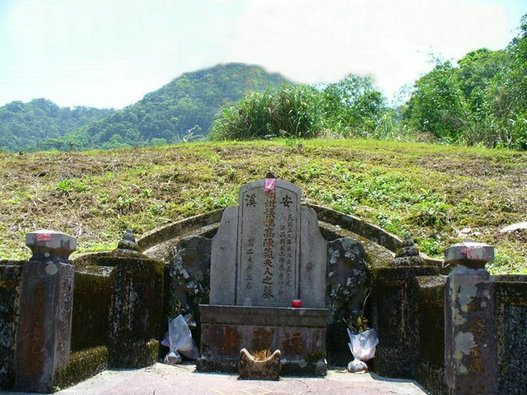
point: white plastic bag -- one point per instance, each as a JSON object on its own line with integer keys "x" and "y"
{"x": 362, "y": 346}
{"x": 179, "y": 340}
{"x": 172, "y": 358}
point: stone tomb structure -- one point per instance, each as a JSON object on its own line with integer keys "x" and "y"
{"x": 268, "y": 252}
{"x": 449, "y": 325}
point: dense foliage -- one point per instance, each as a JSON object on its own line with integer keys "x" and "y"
{"x": 26, "y": 125}
{"x": 351, "y": 107}
{"x": 290, "y": 110}
{"x": 182, "y": 110}
{"x": 481, "y": 100}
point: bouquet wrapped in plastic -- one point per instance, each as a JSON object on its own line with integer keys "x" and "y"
{"x": 179, "y": 340}
{"x": 362, "y": 347}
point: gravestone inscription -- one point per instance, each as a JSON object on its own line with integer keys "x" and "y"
{"x": 268, "y": 250}
{"x": 268, "y": 253}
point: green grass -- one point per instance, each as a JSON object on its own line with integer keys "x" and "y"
{"x": 429, "y": 191}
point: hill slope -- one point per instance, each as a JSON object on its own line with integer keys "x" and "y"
{"x": 181, "y": 110}
{"x": 429, "y": 191}
{"x": 25, "y": 125}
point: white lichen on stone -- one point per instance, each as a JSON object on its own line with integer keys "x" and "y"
{"x": 464, "y": 343}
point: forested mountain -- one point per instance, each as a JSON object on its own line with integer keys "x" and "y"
{"x": 181, "y": 110}
{"x": 23, "y": 125}
{"x": 479, "y": 100}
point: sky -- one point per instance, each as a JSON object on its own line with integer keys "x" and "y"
{"x": 110, "y": 53}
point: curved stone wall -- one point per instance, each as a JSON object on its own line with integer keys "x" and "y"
{"x": 380, "y": 245}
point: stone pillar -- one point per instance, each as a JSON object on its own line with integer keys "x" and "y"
{"x": 470, "y": 329}
{"x": 46, "y": 304}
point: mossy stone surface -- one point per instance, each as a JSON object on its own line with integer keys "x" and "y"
{"x": 91, "y": 308}
{"x": 135, "y": 309}
{"x": 81, "y": 366}
{"x": 395, "y": 319}
{"x": 511, "y": 322}
{"x": 10, "y": 278}
{"x": 431, "y": 328}
{"x": 133, "y": 355}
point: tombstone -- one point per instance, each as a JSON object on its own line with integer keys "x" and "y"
{"x": 267, "y": 253}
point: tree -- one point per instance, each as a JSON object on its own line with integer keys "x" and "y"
{"x": 437, "y": 104}
{"x": 352, "y": 104}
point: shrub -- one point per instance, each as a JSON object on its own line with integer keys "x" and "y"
{"x": 289, "y": 111}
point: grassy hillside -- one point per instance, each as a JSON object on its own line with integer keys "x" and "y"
{"x": 430, "y": 191}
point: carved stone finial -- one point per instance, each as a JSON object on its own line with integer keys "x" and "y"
{"x": 408, "y": 254}
{"x": 50, "y": 244}
{"x": 469, "y": 253}
{"x": 128, "y": 242}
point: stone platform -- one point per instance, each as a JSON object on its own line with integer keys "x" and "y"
{"x": 162, "y": 379}
{"x": 299, "y": 333}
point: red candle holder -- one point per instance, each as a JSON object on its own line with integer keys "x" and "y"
{"x": 296, "y": 303}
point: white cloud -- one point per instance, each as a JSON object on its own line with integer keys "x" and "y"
{"x": 112, "y": 52}
{"x": 312, "y": 40}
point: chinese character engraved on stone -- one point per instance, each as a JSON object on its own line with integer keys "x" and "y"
{"x": 268, "y": 242}
{"x": 286, "y": 201}
{"x": 250, "y": 200}
{"x": 249, "y": 256}
{"x": 268, "y": 292}
{"x": 289, "y": 251}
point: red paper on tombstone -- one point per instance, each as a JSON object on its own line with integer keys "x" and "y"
{"x": 43, "y": 236}
{"x": 269, "y": 185}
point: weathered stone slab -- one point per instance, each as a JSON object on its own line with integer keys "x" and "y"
{"x": 223, "y": 259}
{"x": 515, "y": 349}
{"x": 394, "y": 319}
{"x": 45, "y": 322}
{"x": 136, "y": 305}
{"x": 313, "y": 261}
{"x": 268, "y": 250}
{"x": 431, "y": 328}
{"x": 268, "y": 244}
{"x": 135, "y": 310}
{"x": 92, "y": 295}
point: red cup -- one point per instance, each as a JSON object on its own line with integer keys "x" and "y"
{"x": 296, "y": 303}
